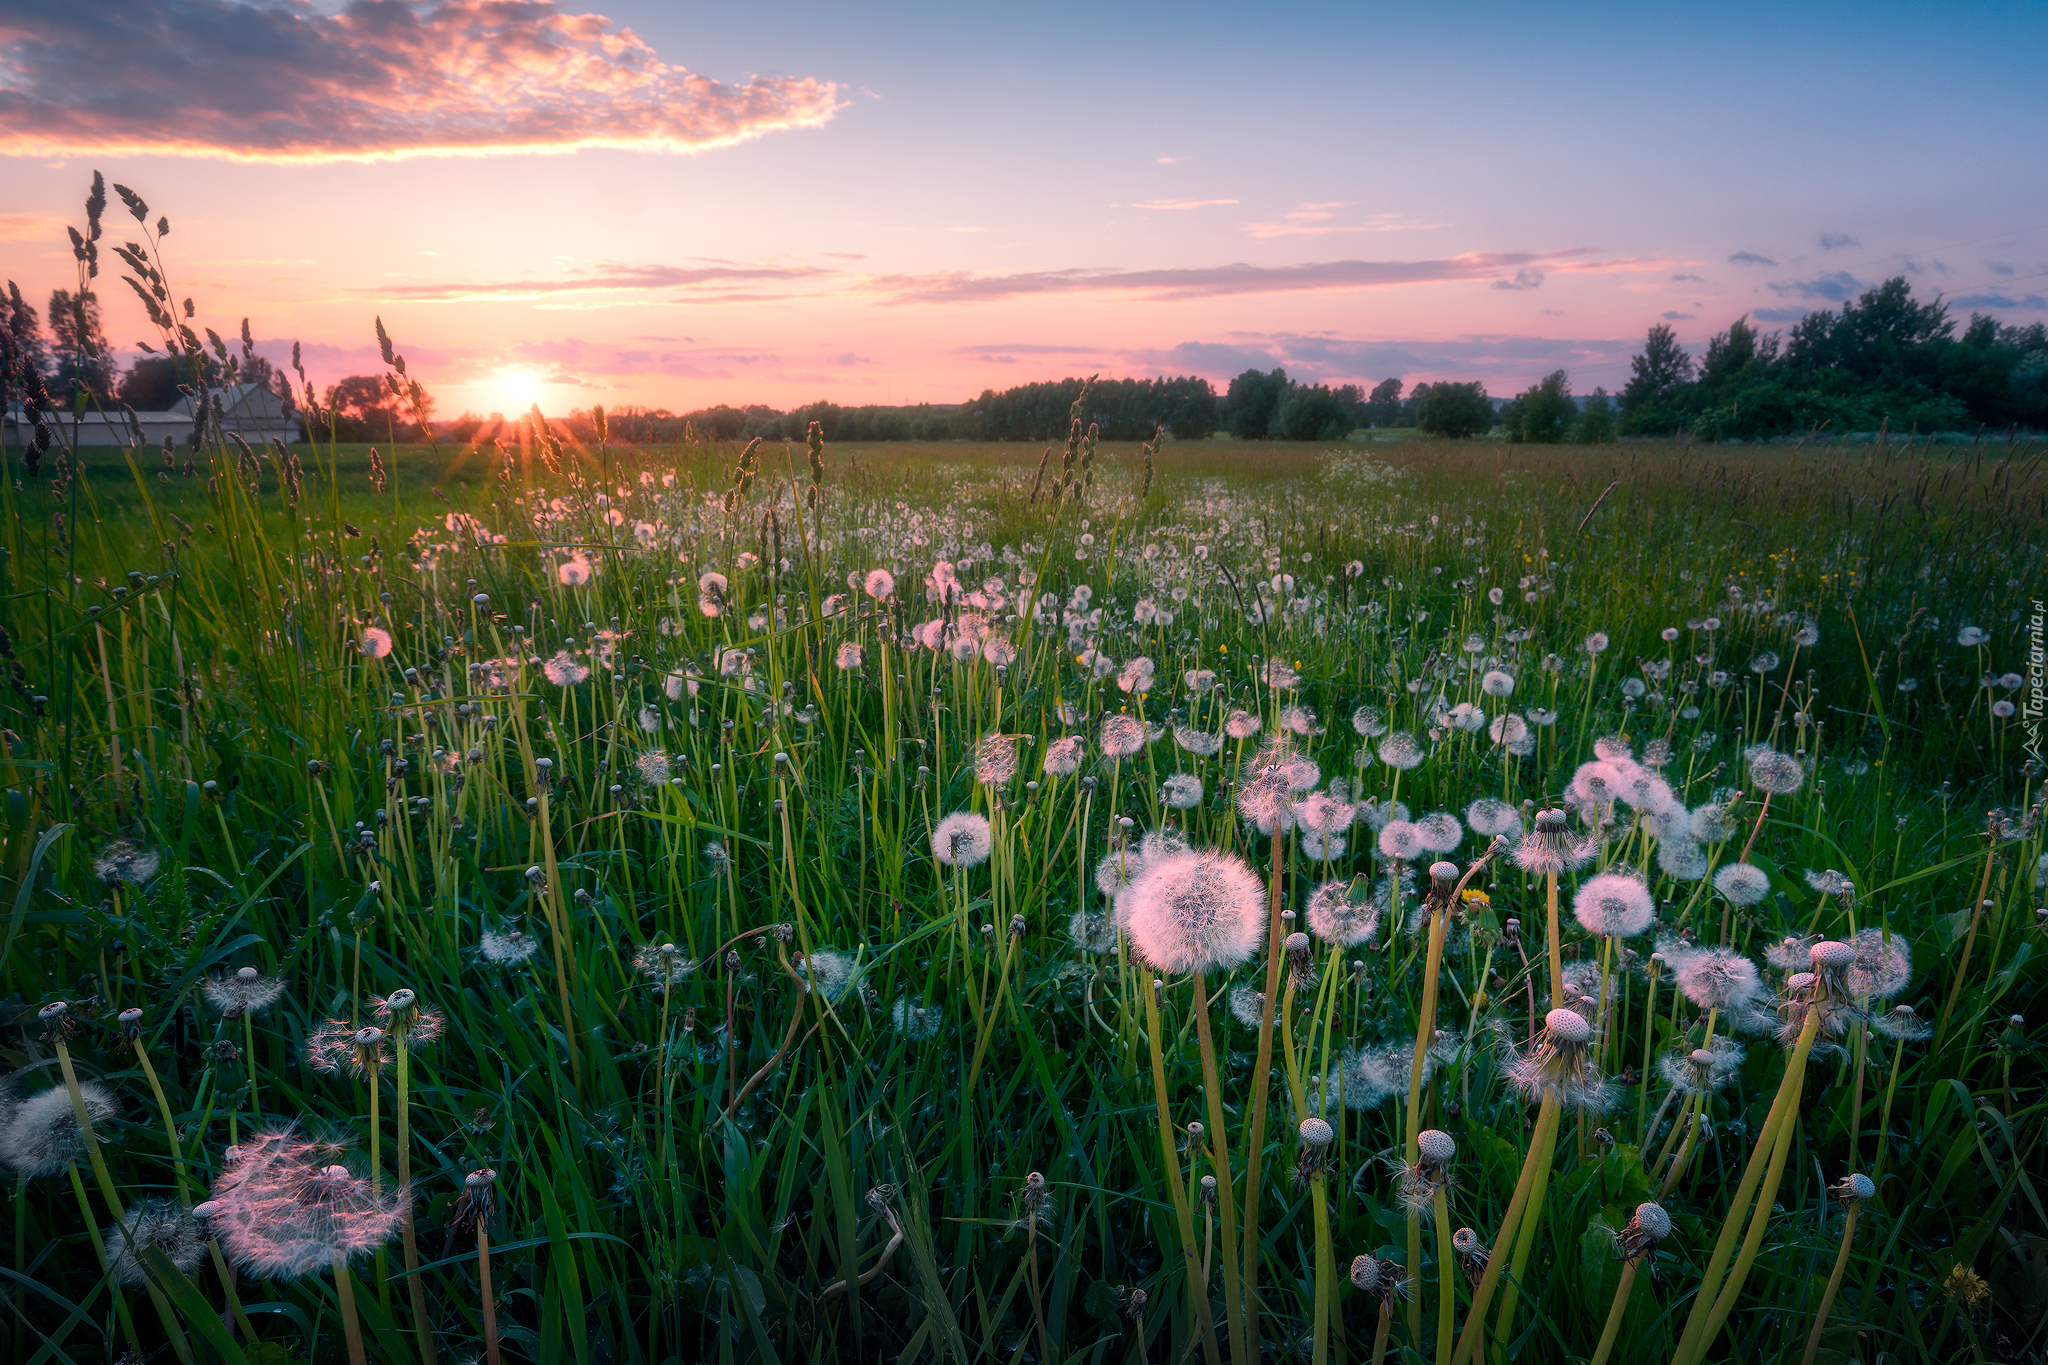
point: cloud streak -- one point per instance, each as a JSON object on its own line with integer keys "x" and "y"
{"x": 1203, "y": 282}
{"x": 382, "y": 80}
{"x": 608, "y": 276}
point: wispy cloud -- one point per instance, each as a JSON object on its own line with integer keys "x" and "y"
{"x": 1321, "y": 220}
{"x": 1749, "y": 258}
{"x": 1835, "y": 241}
{"x": 1338, "y": 360}
{"x": 2032, "y": 303}
{"x": 608, "y": 276}
{"x": 1173, "y": 160}
{"x": 1678, "y": 317}
{"x": 1225, "y": 280}
{"x": 1834, "y": 287}
{"x": 382, "y": 79}
{"x": 1175, "y": 204}
{"x": 22, "y": 227}
{"x": 1529, "y": 278}
{"x": 1779, "y": 314}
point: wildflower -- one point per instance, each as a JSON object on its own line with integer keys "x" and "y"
{"x": 1681, "y": 859}
{"x": 1779, "y": 774}
{"x": 1241, "y": 724}
{"x": 43, "y": 1137}
{"x": 1400, "y": 750}
{"x": 563, "y": 671}
{"x": 1902, "y": 1024}
{"x": 1704, "y": 1070}
{"x": 1092, "y": 931}
{"x": 1199, "y": 679}
{"x": 1440, "y": 831}
{"x": 1711, "y": 823}
{"x": 376, "y": 642}
{"x": 1137, "y": 675}
{"x": 1881, "y": 969}
{"x": 1491, "y": 818}
{"x": 1551, "y": 849}
{"x": 1649, "y": 1225}
{"x": 1121, "y": 736}
{"x": 995, "y": 759}
{"x": 283, "y": 1209}
{"x": 1969, "y": 637}
{"x": 151, "y": 1223}
{"x": 847, "y": 657}
{"x": 1247, "y": 1005}
{"x": 918, "y": 1023}
{"x": 1063, "y": 756}
{"x": 1742, "y": 883}
{"x": 506, "y": 948}
{"x": 124, "y": 860}
{"x": 1472, "y": 1254}
{"x": 1386, "y": 1279}
{"x": 662, "y": 963}
{"x": 830, "y": 974}
{"x": 1715, "y": 978}
{"x": 1316, "y": 1136}
{"x": 1596, "y": 643}
{"x": 399, "y": 1014}
{"x": 961, "y": 840}
{"x": 1401, "y": 841}
{"x": 1855, "y": 1187}
{"x": 1194, "y": 911}
{"x": 1181, "y": 791}
{"x": 246, "y": 991}
{"x": 1497, "y": 684}
{"x": 573, "y": 572}
{"x": 1614, "y": 905}
{"x": 880, "y": 584}
{"x": 1966, "y": 1287}
{"x": 1369, "y": 721}
{"x": 1764, "y": 662}
{"x": 1541, "y": 715}
{"x": 338, "y": 1045}
{"x": 1557, "y": 1061}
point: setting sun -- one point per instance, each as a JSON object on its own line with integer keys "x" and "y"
{"x": 514, "y": 390}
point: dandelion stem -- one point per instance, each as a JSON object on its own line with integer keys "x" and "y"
{"x": 1198, "y": 1290}
{"x": 414, "y": 1279}
{"x": 1446, "y": 1272}
{"x": 487, "y": 1302}
{"x": 1219, "y": 1159}
{"x": 344, "y": 1291}
{"x": 1616, "y": 1313}
{"x": 1262, "y": 1076}
{"x": 1535, "y": 1167}
{"x": 1827, "y": 1298}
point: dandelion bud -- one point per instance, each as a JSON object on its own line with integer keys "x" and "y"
{"x": 482, "y": 599}
{"x": 1018, "y": 924}
{"x": 1195, "y": 1130}
{"x": 1208, "y": 1195}
{"x": 1159, "y": 992}
{"x": 130, "y": 1017}
{"x": 536, "y": 877}
{"x": 53, "y": 1011}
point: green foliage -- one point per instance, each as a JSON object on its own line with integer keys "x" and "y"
{"x": 1253, "y": 402}
{"x": 1542, "y": 414}
{"x": 1595, "y": 425}
{"x": 1312, "y": 412}
{"x": 1454, "y": 410}
{"x": 1886, "y": 359}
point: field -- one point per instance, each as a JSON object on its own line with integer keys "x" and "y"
{"x": 1421, "y": 901}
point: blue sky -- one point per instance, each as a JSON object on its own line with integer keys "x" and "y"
{"x": 918, "y": 202}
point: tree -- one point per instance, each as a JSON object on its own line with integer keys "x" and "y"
{"x": 361, "y": 408}
{"x": 1595, "y": 426}
{"x": 1311, "y": 413}
{"x": 1543, "y": 413}
{"x": 83, "y": 358}
{"x": 1658, "y": 372}
{"x": 1455, "y": 410}
{"x": 1252, "y": 402}
{"x": 152, "y": 384}
{"x": 1383, "y": 405}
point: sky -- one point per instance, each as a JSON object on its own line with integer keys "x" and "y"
{"x": 674, "y": 204}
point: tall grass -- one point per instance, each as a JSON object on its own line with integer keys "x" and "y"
{"x": 875, "y": 1107}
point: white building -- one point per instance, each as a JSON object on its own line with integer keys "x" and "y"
{"x": 249, "y": 410}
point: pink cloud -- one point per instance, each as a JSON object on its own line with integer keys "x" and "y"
{"x": 1218, "y": 281}
{"x": 384, "y": 79}
{"x": 606, "y": 277}
{"x": 20, "y": 227}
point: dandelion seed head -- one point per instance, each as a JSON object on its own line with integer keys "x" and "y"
{"x": 124, "y": 860}
{"x": 159, "y": 1224}
{"x": 962, "y": 839}
{"x": 1778, "y": 773}
{"x": 1497, "y": 684}
{"x": 1436, "y": 1145}
{"x": 245, "y": 991}
{"x": 1440, "y": 831}
{"x": 1121, "y": 736}
{"x": 1681, "y": 859}
{"x": 286, "y": 1209}
{"x": 1063, "y": 756}
{"x": 995, "y": 759}
{"x": 506, "y": 948}
{"x": 916, "y": 1022}
{"x": 847, "y": 657}
{"x": 1197, "y": 911}
{"x": 1247, "y": 1005}
{"x": 1716, "y": 978}
{"x": 1241, "y": 724}
{"x": 1742, "y": 883}
{"x": 1335, "y": 918}
{"x": 1494, "y": 818}
{"x": 1401, "y": 841}
{"x": 563, "y": 671}
{"x": 43, "y": 1136}
{"x": 1369, "y": 721}
{"x": 1712, "y": 823}
{"x": 1653, "y": 1220}
{"x": 1181, "y": 791}
{"x": 880, "y": 584}
{"x": 376, "y": 642}
{"x": 831, "y": 974}
{"x": 1614, "y": 905}
{"x": 1881, "y": 970}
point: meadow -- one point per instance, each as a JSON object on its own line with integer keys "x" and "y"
{"x": 1420, "y": 901}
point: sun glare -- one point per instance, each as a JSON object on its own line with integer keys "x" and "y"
{"x": 517, "y": 390}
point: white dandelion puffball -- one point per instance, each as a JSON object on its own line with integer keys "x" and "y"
{"x": 1399, "y": 750}
{"x": 1336, "y": 918}
{"x": 1497, "y": 684}
{"x": 1182, "y": 791}
{"x": 1197, "y": 911}
{"x": 961, "y": 839}
{"x": 1777, "y": 773}
{"x": 1401, "y": 841}
{"x": 1491, "y": 817}
{"x": 1063, "y": 756}
{"x": 1614, "y": 905}
{"x": 880, "y": 584}
{"x": 1742, "y": 883}
{"x": 1121, "y": 736}
{"x": 1370, "y": 721}
{"x": 848, "y": 656}
{"x": 376, "y": 642}
{"x": 1440, "y": 831}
